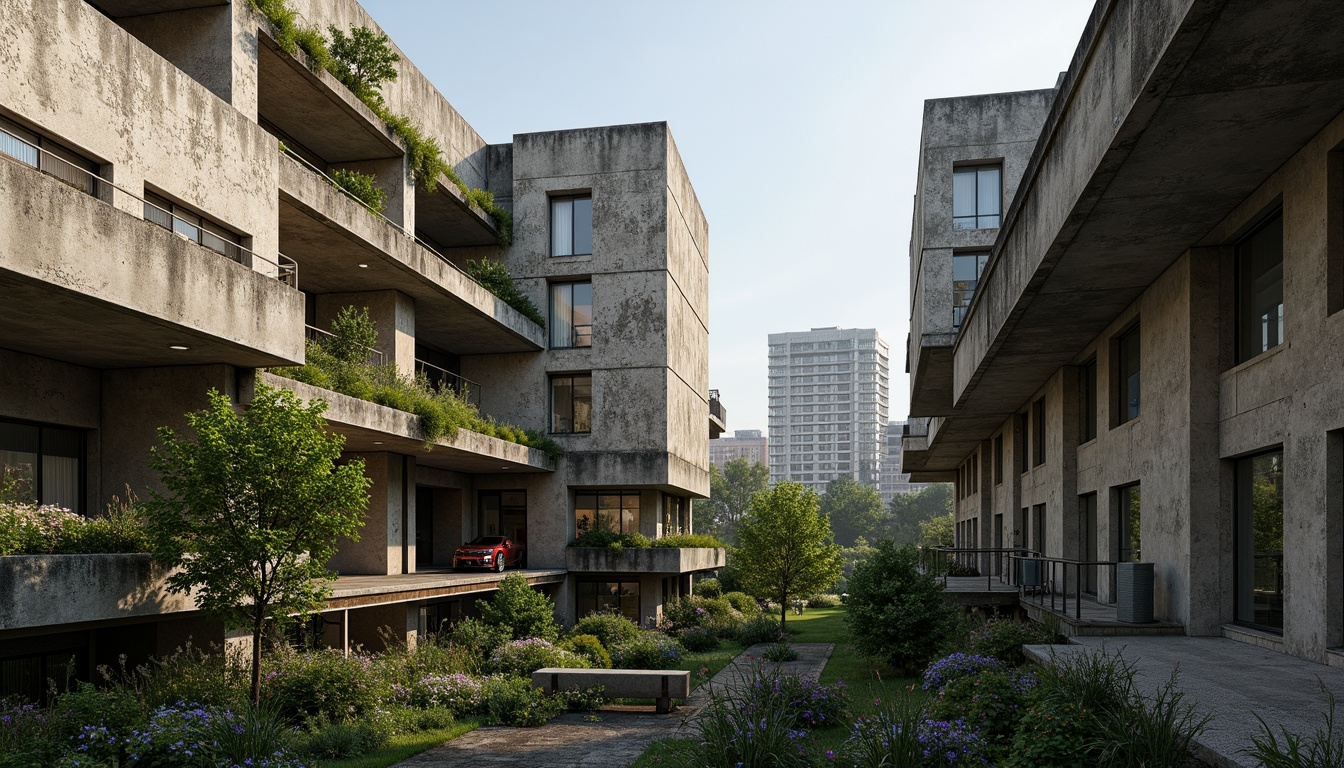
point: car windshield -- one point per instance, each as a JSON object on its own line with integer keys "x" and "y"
{"x": 487, "y": 541}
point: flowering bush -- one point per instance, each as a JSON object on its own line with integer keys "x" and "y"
{"x": 523, "y": 657}
{"x": 648, "y": 650}
{"x": 457, "y": 693}
{"x": 945, "y": 670}
{"x": 810, "y": 704}
{"x": 27, "y": 732}
{"x": 29, "y": 529}
{"x": 762, "y": 629}
{"x": 188, "y": 735}
{"x": 698, "y": 639}
{"x": 990, "y": 702}
{"x": 761, "y": 731}
{"x": 743, "y": 603}
{"x": 954, "y": 743}
{"x": 323, "y": 683}
{"x": 889, "y": 739}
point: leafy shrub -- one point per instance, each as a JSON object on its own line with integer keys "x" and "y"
{"x": 709, "y": 588}
{"x": 744, "y": 603}
{"x": 321, "y": 683}
{"x": 523, "y": 657}
{"x": 362, "y": 61}
{"x": 496, "y": 279}
{"x": 583, "y": 699}
{"x": 418, "y": 720}
{"x": 362, "y": 186}
{"x": 952, "y": 743}
{"x": 1321, "y": 748}
{"x": 478, "y": 639}
{"x": 609, "y": 627}
{"x": 698, "y": 639}
{"x": 955, "y": 667}
{"x": 762, "y": 629}
{"x": 686, "y": 540}
{"x": 337, "y": 741}
{"x": 823, "y": 601}
{"x": 29, "y": 529}
{"x": 889, "y": 739}
{"x": 990, "y": 702}
{"x": 513, "y": 701}
{"x": 522, "y": 610}
{"x": 716, "y": 615}
{"x": 605, "y": 538}
{"x": 1003, "y": 639}
{"x": 647, "y": 650}
{"x": 457, "y": 693}
{"x": 590, "y": 648}
{"x": 895, "y": 612}
{"x": 190, "y": 673}
{"x": 780, "y": 652}
{"x": 1052, "y": 735}
{"x": 189, "y": 735}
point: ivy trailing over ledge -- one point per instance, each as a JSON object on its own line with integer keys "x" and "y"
{"x": 496, "y": 279}
{"x": 363, "y": 61}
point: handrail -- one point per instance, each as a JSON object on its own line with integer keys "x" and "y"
{"x": 285, "y": 273}
{"x": 991, "y": 558}
{"x": 317, "y": 334}
{"x": 1052, "y": 569}
{"x": 465, "y": 388}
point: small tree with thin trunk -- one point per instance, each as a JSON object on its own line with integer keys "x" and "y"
{"x": 787, "y": 549}
{"x": 252, "y": 510}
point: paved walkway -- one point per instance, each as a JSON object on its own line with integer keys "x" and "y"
{"x": 616, "y": 740}
{"x": 1229, "y": 681}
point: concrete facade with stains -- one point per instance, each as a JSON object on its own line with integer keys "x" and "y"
{"x": 134, "y": 112}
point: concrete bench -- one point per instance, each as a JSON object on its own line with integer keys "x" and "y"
{"x": 664, "y": 685}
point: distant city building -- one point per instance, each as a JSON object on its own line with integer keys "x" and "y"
{"x": 828, "y": 406}
{"x": 893, "y": 481}
{"x": 747, "y": 444}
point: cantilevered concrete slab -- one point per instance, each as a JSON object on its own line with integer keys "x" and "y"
{"x": 371, "y": 428}
{"x": 330, "y": 236}
{"x": 446, "y": 217}
{"x": 118, "y": 9}
{"x": 364, "y": 591}
{"x": 1163, "y": 124}
{"x": 103, "y": 288}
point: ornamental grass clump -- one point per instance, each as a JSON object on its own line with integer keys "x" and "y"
{"x": 889, "y": 739}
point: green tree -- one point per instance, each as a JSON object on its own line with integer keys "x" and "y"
{"x": 787, "y": 549}
{"x": 730, "y": 494}
{"x": 363, "y": 61}
{"x": 937, "y": 532}
{"x": 854, "y": 509}
{"x": 907, "y": 510}
{"x": 896, "y": 613}
{"x": 520, "y": 609}
{"x": 252, "y": 510}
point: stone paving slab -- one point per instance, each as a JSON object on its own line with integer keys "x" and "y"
{"x": 1227, "y": 680}
{"x": 616, "y": 740}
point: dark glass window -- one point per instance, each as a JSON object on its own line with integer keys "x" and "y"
{"x": 1087, "y": 541}
{"x": 601, "y": 596}
{"x": 616, "y": 511}
{"x": 192, "y": 226}
{"x": 572, "y": 226}
{"x": 1038, "y": 432}
{"x": 43, "y": 464}
{"x": 1260, "y": 290}
{"x": 966, "y": 271}
{"x": 977, "y": 195}
{"x": 1259, "y": 540}
{"x": 571, "y": 315}
{"x": 1038, "y": 528}
{"x": 1127, "y": 376}
{"x": 1129, "y": 516}
{"x": 571, "y": 403}
{"x": 1088, "y": 384}
{"x": 1023, "y": 463}
{"x": 998, "y": 459}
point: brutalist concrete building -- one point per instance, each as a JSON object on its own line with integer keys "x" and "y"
{"x": 1126, "y": 340}
{"x": 169, "y": 226}
{"x": 828, "y": 406}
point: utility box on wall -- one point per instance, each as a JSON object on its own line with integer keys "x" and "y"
{"x": 1134, "y": 592}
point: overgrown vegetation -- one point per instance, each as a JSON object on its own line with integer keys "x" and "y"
{"x": 496, "y": 279}
{"x": 362, "y": 186}
{"x": 896, "y": 612}
{"x": 364, "y": 61}
{"x": 340, "y": 362}
{"x": 27, "y": 528}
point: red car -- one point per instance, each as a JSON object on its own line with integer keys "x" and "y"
{"x": 497, "y": 552}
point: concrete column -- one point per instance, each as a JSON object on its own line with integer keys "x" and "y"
{"x": 392, "y": 312}
{"x": 389, "y": 522}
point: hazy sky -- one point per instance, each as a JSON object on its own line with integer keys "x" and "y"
{"x": 798, "y": 123}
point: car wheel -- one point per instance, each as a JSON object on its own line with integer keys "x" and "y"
{"x": 499, "y": 564}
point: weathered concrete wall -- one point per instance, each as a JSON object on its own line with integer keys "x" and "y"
{"x": 652, "y": 560}
{"x": 48, "y": 590}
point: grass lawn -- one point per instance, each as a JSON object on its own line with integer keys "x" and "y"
{"x": 402, "y": 747}
{"x": 870, "y": 683}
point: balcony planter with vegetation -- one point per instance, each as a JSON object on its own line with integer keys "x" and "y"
{"x": 340, "y": 363}
{"x": 600, "y": 550}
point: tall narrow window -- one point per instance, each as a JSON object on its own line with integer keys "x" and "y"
{"x": 1129, "y": 515}
{"x": 1021, "y": 443}
{"x": 1127, "y": 376}
{"x": 1260, "y": 290}
{"x": 966, "y": 271}
{"x": 977, "y": 195}
{"x": 571, "y": 403}
{"x": 1087, "y": 383}
{"x": 1038, "y": 432}
{"x": 998, "y": 459}
{"x": 571, "y": 315}
{"x": 1087, "y": 541}
{"x": 1259, "y": 540}
{"x": 572, "y": 226}
{"x": 1038, "y": 528}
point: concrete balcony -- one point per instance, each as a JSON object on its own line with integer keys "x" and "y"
{"x": 718, "y": 415}
{"x": 372, "y": 428}
{"x": 331, "y": 236}
{"x": 105, "y": 288}
{"x": 446, "y": 217}
{"x": 651, "y": 560}
{"x": 117, "y": 9}
{"x": 68, "y": 590}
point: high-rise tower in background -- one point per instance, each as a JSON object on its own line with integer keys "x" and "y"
{"x": 828, "y": 406}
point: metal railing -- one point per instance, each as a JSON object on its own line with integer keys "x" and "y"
{"x": 33, "y": 156}
{"x": 1053, "y": 580}
{"x": 318, "y": 335}
{"x": 990, "y": 562}
{"x": 465, "y": 388}
{"x": 716, "y": 408}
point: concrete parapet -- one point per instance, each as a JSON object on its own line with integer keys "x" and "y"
{"x": 651, "y": 560}
{"x": 51, "y": 590}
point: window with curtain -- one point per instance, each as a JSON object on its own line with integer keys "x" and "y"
{"x": 571, "y": 315}
{"x": 977, "y": 197}
{"x": 43, "y": 464}
{"x": 192, "y": 226}
{"x": 572, "y": 226}
{"x": 572, "y": 403}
